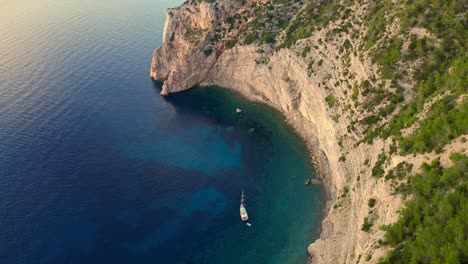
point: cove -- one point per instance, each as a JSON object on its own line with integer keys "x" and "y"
{"x": 285, "y": 215}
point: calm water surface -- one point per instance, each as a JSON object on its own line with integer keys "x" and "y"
{"x": 96, "y": 167}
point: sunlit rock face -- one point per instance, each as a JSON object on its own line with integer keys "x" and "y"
{"x": 196, "y": 52}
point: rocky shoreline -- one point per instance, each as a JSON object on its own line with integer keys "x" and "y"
{"x": 283, "y": 80}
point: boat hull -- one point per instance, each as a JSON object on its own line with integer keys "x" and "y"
{"x": 243, "y": 213}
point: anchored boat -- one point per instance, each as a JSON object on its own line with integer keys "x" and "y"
{"x": 243, "y": 212}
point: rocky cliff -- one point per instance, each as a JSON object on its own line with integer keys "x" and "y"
{"x": 313, "y": 83}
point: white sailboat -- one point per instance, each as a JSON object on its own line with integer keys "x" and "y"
{"x": 243, "y": 212}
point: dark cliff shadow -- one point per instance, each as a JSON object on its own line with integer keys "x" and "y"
{"x": 218, "y": 107}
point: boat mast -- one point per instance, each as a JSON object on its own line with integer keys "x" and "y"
{"x": 242, "y": 197}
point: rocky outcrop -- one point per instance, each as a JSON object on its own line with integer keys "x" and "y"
{"x": 179, "y": 61}
{"x": 312, "y": 90}
{"x": 190, "y": 46}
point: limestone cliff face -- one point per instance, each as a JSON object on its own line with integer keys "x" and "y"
{"x": 200, "y": 48}
{"x": 284, "y": 83}
{"x": 179, "y": 62}
{"x": 283, "y": 80}
{"x": 189, "y": 48}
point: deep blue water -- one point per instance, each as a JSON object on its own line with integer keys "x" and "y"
{"x": 96, "y": 167}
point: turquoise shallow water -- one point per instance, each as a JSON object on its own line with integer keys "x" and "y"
{"x": 285, "y": 214}
{"x": 96, "y": 167}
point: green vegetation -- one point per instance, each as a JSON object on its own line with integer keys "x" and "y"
{"x": 230, "y": 43}
{"x": 441, "y": 78}
{"x": 389, "y": 58}
{"x": 366, "y": 225}
{"x": 355, "y": 94}
{"x": 371, "y": 202}
{"x": 377, "y": 21}
{"x": 310, "y": 66}
{"x": 316, "y": 13}
{"x": 305, "y": 51}
{"x": 399, "y": 172}
{"x": 269, "y": 19}
{"x": 377, "y": 170}
{"x": 250, "y": 38}
{"x": 347, "y": 44}
{"x": 345, "y": 192}
{"x": 330, "y": 99}
{"x": 208, "y": 51}
{"x": 336, "y": 118}
{"x": 267, "y": 37}
{"x": 265, "y": 61}
{"x": 433, "y": 227}
{"x": 194, "y": 36}
{"x": 445, "y": 122}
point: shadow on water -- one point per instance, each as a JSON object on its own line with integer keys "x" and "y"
{"x": 219, "y": 106}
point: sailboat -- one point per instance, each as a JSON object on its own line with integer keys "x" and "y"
{"x": 243, "y": 212}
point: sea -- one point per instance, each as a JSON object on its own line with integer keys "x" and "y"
{"x": 97, "y": 167}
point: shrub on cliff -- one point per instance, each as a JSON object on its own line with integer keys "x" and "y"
{"x": 442, "y": 72}
{"x": 433, "y": 227}
{"x": 267, "y": 37}
{"x": 208, "y": 51}
{"x": 230, "y": 43}
{"x": 330, "y": 99}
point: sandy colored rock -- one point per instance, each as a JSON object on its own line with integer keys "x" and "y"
{"x": 286, "y": 82}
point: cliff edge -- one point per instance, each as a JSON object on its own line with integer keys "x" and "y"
{"x": 328, "y": 86}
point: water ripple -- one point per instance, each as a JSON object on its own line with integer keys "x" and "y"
{"x": 96, "y": 167}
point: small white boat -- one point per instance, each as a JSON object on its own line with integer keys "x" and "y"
{"x": 243, "y": 212}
